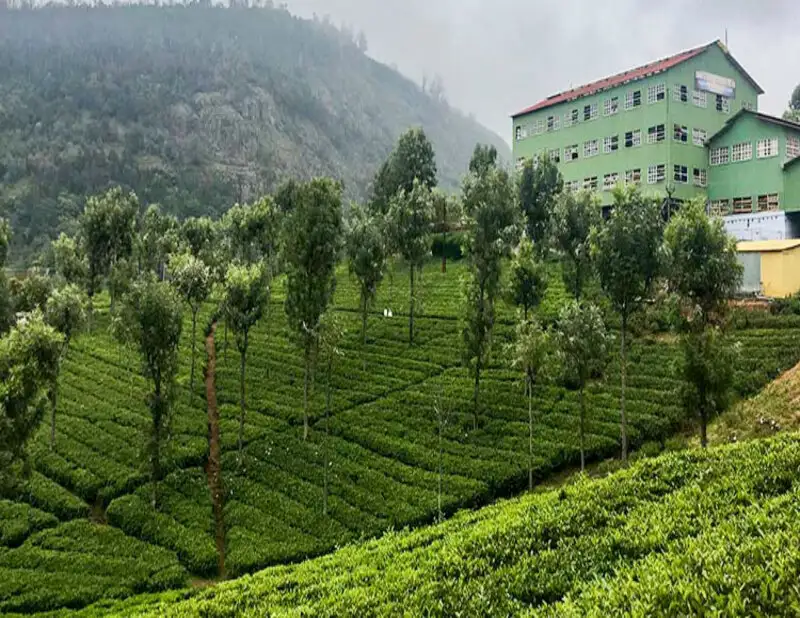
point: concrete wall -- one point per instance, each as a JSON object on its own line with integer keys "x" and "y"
{"x": 780, "y": 273}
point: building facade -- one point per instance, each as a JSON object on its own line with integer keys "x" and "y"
{"x": 650, "y": 125}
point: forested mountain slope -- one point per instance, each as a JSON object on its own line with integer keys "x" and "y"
{"x": 195, "y": 108}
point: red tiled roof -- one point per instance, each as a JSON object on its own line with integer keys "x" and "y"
{"x": 620, "y": 78}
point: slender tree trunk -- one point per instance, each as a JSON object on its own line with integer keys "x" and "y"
{"x": 441, "y": 466}
{"x": 476, "y": 391}
{"x": 364, "y": 320}
{"x": 583, "y": 417}
{"x": 530, "y": 434}
{"x": 225, "y": 343}
{"x": 411, "y": 312}
{"x": 214, "y": 468}
{"x": 327, "y": 437}
{"x": 623, "y": 371}
{"x": 157, "y": 419}
{"x": 243, "y": 358}
{"x": 306, "y": 379}
{"x": 525, "y": 311}
{"x": 444, "y": 251}
{"x": 194, "y": 346}
{"x": 703, "y": 427}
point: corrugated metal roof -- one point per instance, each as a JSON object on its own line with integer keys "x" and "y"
{"x": 760, "y": 116}
{"x": 763, "y": 246}
{"x": 633, "y": 74}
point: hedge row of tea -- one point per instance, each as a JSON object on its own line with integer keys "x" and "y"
{"x": 682, "y": 534}
{"x": 386, "y": 457}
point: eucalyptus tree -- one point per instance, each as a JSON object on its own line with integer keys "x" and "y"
{"x": 627, "y": 253}
{"x": 539, "y": 185}
{"x": 574, "y": 218}
{"x": 366, "y": 256}
{"x": 312, "y": 251}
{"x": 528, "y": 279}
{"x": 330, "y": 334}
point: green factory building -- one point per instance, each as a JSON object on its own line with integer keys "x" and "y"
{"x": 683, "y": 126}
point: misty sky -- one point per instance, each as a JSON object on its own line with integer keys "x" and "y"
{"x": 499, "y": 56}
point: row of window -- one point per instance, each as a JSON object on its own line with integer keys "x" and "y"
{"x": 655, "y": 174}
{"x": 744, "y": 205}
{"x": 612, "y": 105}
{"x": 743, "y": 151}
{"x": 632, "y": 139}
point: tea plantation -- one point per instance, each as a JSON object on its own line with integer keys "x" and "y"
{"x": 85, "y": 531}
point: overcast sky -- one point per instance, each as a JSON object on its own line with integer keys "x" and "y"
{"x": 497, "y": 57}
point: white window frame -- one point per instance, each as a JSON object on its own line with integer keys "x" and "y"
{"x": 768, "y": 147}
{"x": 636, "y": 138}
{"x": 590, "y": 183}
{"x": 700, "y": 177}
{"x": 746, "y": 105}
{"x": 572, "y": 185}
{"x": 554, "y": 151}
{"x": 680, "y": 93}
{"x": 610, "y": 144}
{"x": 630, "y": 100}
{"x": 538, "y": 126}
{"x": 592, "y": 112}
{"x": 719, "y": 208}
{"x": 656, "y": 93}
{"x": 610, "y": 181}
{"x": 792, "y": 146}
{"x": 518, "y": 134}
{"x": 610, "y": 106}
{"x": 680, "y": 133}
{"x": 699, "y": 98}
{"x": 722, "y": 104}
{"x": 569, "y": 151}
{"x": 571, "y": 118}
{"x": 768, "y": 203}
{"x": 656, "y": 173}
{"x": 653, "y": 138}
{"x": 591, "y": 148}
{"x": 742, "y": 151}
{"x": 553, "y": 123}
{"x": 633, "y": 177}
{"x": 680, "y": 173}
{"x": 719, "y": 156}
{"x": 699, "y": 137}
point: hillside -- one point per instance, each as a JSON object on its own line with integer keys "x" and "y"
{"x": 195, "y": 108}
{"x": 684, "y": 534}
{"x": 385, "y": 452}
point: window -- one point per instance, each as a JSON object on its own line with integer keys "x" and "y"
{"x": 590, "y": 111}
{"x": 699, "y": 98}
{"x": 633, "y": 177}
{"x": 768, "y": 148}
{"x": 633, "y": 98}
{"x": 656, "y": 93}
{"x": 554, "y": 155}
{"x": 792, "y": 147}
{"x": 633, "y": 138}
{"x": 590, "y": 184}
{"x": 720, "y": 156}
{"x": 571, "y": 118}
{"x": 680, "y": 174}
{"x": 553, "y": 123}
{"x": 742, "y": 152}
{"x": 719, "y": 208}
{"x": 742, "y": 205}
{"x": 656, "y": 173}
{"x": 723, "y": 105}
{"x": 610, "y": 144}
{"x": 700, "y": 177}
{"x": 680, "y": 93}
{"x": 518, "y": 133}
{"x": 610, "y": 181}
{"x": 538, "y": 126}
{"x": 610, "y": 106}
{"x": 680, "y": 133}
{"x": 655, "y": 134}
{"x": 747, "y": 105}
{"x": 591, "y": 148}
{"x": 571, "y": 153}
{"x": 767, "y": 202}
{"x": 573, "y": 185}
{"x": 699, "y": 137}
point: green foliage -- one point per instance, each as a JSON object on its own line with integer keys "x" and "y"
{"x": 30, "y": 291}
{"x": 484, "y": 159}
{"x": 413, "y": 160}
{"x": 199, "y": 235}
{"x": 29, "y": 356}
{"x": 574, "y": 218}
{"x": 539, "y": 187}
{"x": 312, "y": 250}
{"x": 528, "y": 279}
{"x": 701, "y": 260}
{"x": 70, "y": 263}
{"x": 151, "y": 320}
{"x": 366, "y": 255}
{"x": 252, "y": 231}
{"x": 159, "y": 235}
{"x": 300, "y": 99}
{"x": 5, "y": 241}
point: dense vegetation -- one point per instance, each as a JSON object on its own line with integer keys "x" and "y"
{"x": 689, "y": 533}
{"x": 195, "y": 107}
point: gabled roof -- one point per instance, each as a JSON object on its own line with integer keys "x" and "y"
{"x": 764, "y": 117}
{"x": 659, "y": 66}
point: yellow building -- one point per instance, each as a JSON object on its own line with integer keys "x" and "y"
{"x": 771, "y": 267}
